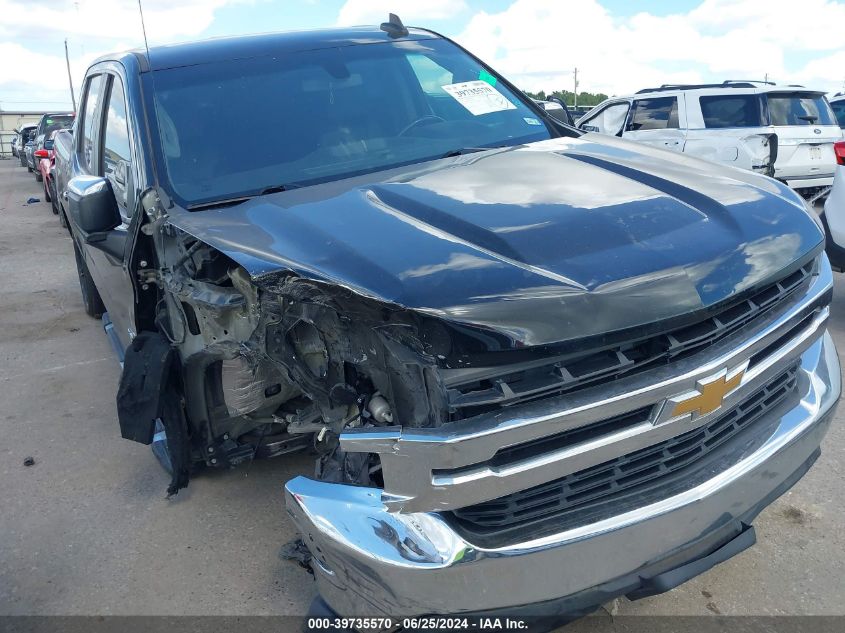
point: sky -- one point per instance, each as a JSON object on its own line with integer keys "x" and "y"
{"x": 618, "y": 46}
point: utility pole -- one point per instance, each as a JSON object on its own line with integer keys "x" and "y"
{"x": 575, "y": 86}
{"x": 69, "y": 77}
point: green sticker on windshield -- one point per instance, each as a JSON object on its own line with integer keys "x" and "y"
{"x": 483, "y": 75}
{"x": 48, "y": 121}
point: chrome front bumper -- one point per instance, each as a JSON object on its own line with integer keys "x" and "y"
{"x": 374, "y": 552}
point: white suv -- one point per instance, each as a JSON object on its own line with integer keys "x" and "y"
{"x": 783, "y": 131}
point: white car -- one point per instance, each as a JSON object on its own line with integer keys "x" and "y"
{"x": 833, "y": 217}
{"x": 783, "y": 131}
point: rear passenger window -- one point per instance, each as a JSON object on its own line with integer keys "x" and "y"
{"x": 89, "y": 127}
{"x": 732, "y": 111}
{"x": 655, "y": 114}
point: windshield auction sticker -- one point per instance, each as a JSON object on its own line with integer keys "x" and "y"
{"x": 479, "y": 97}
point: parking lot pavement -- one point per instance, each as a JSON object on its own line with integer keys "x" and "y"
{"x": 87, "y": 530}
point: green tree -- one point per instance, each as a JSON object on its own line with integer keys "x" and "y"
{"x": 568, "y": 97}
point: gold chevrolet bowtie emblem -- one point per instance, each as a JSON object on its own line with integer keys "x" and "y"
{"x": 709, "y": 394}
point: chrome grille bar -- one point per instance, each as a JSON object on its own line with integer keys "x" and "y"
{"x": 447, "y": 468}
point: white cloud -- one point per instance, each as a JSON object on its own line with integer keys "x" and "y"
{"x": 830, "y": 66}
{"x": 38, "y": 79}
{"x": 115, "y": 19}
{"x": 92, "y": 27}
{"x": 537, "y": 43}
{"x": 356, "y": 12}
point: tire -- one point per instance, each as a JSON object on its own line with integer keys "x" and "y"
{"x": 90, "y": 295}
{"x": 160, "y": 448}
{"x": 62, "y": 218}
{"x": 51, "y": 197}
{"x": 39, "y": 177}
{"x": 29, "y": 169}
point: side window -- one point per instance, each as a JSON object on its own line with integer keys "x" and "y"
{"x": 88, "y": 153}
{"x": 608, "y": 121}
{"x": 721, "y": 111}
{"x": 839, "y": 111}
{"x": 655, "y": 114}
{"x": 116, "y": 155}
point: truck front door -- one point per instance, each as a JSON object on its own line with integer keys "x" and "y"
{"x": 104, "y": 149}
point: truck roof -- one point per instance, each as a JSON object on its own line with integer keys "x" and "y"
{"x": 246, "y": 46}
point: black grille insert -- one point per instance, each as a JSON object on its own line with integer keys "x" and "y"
{"x": 645, "y": 474}
{"x": 601, "y": 366}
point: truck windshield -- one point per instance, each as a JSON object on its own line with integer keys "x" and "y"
{"x": 799, "y": 109}
{"x": 236, "y": 128}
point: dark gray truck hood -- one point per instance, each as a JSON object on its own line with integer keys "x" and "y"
{"x": 548, "y": 242}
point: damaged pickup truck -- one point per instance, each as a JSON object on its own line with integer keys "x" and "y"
{"x": 538, "y": 368}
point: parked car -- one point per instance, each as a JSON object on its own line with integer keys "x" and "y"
{"x": 49, "y": 123}
{"x": 557, "y": 109}
{"x": 838, "y": 105}
{"x": 833, "y": 216}
{"x": 784, "y": 131}
{"x": 28, "y": 147}
{"x": 513, "y": 348}
{"x": 20, "y": 139}
{"x": 46, "y": 160}
{"x": 35, "y": 156}
{"x": 63, "y": 152}
{"x": 579, "y": 111}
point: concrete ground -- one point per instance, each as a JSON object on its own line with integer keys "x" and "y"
{"x": 86, "y": 530}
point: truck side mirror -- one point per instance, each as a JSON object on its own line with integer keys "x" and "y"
{"x": 92, "y": 205}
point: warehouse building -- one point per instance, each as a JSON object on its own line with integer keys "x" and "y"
{"x": 10, "y": 121}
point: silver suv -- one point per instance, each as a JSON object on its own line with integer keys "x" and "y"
{"x": 783, "y": 131}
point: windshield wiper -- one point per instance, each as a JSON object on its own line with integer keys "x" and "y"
{"x": 465, "y": 150}
{"x": 214, "y": 204}
{"x": 229, "y": 202}
{"x": 809, "y": 118}
{"x": 279, "y": 188}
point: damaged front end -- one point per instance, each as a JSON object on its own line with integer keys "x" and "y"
{"x": 244, "y": 367}
{"x": 489, "y": 409}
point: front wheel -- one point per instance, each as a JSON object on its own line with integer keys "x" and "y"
{"x": 161, "y": 449}
{"x": 90, "y": 295}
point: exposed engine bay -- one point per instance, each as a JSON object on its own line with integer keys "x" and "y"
{"x": 277, "y": 364}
